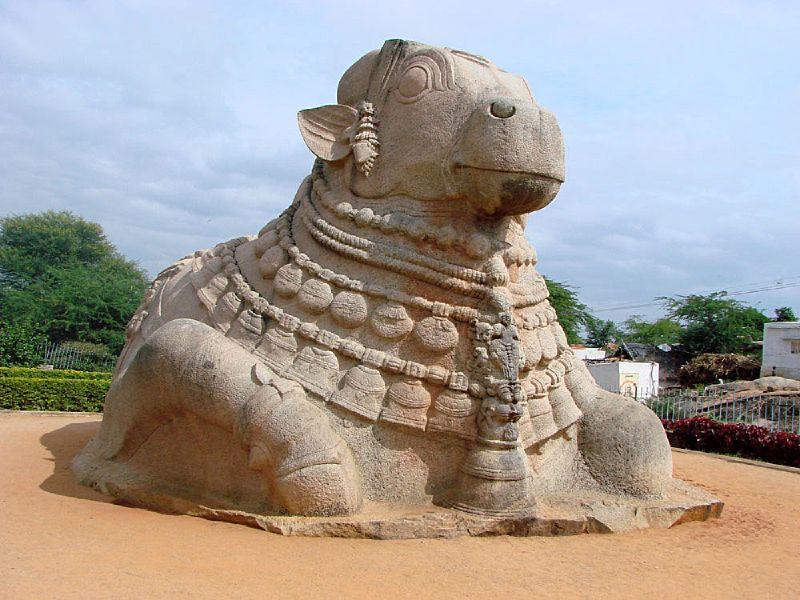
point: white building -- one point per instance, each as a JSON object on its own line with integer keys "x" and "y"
{"x": 781, "y": 350}
{"x": 589, "y": 353}
{"x": 635, "y": 379}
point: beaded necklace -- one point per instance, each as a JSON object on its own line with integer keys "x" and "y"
{"x": 358, "y": 249}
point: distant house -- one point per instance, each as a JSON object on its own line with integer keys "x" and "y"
{"x": 634, "y": 379}
{"x": 670, "y": 359}
{"x": 585, "y": 353}
{"x": 781, "y": 355}
{"x": 632, "y": 369}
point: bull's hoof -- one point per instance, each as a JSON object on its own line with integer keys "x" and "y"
{"x": 322, "y": 490}
{"x": 625, "y": 446}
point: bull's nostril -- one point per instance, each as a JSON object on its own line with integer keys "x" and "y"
{"x": 502, "y": 109}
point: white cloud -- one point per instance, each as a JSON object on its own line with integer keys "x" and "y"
{"x": 172, "y": 124}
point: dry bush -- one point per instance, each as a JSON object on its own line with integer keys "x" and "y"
{"x": 710, "y": 368}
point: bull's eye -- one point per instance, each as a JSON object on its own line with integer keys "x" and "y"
{"x": 413, "y": 84}
{"x": 423, "y": 73}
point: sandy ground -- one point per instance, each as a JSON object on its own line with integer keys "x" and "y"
{"x": 60, "y": 540}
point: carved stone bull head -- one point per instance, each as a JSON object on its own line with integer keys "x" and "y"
{"x": 435, "y": 124}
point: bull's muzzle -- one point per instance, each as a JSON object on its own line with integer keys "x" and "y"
{"x": 509, "y": 159}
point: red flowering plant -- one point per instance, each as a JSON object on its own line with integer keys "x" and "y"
{"x": 739, "y": 439}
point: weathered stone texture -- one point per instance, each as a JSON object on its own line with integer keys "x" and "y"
{"x": 386, "y": 341}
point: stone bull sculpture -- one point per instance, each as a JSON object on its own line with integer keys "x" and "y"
{"x": 386, "y": 339}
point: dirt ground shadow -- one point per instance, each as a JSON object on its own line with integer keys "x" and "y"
{"x": 64, "y": 444}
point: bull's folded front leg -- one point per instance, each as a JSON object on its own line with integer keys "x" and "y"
{"x": 313, "y": 469}
{"x": 622, "y": 441}
{"x": 188, "y": 367}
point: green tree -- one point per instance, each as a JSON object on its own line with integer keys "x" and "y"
{"x": 599, "y": 333}
{"x": 61, "y": 273}
{"x": 572, "y": 313}
{"x": 32, "y": 244}
{"x": 715, "y": 323}
{"x": 660, "y": 331}
{"x": 19, "y": 345}
{"x": 785, "y": 313}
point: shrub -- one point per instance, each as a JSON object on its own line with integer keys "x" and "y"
{"x": 710, "y": 368}
{"x": 52, "y": 374}
{"x": 747, "y": 441}
{"x": 19, "y": 345}
{"x": 64, "y": 394}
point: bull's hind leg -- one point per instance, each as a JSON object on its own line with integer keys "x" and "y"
{"x": 187, "y": 367}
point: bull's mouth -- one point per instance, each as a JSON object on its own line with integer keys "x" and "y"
{"x": 533, "y": 174}
{"x": 494, "y": 191}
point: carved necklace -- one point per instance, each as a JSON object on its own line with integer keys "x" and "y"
{"x": 434, "y": 374}
{"x": 469, "y": 282}
{"x": 278, "y": 235}
{"x": 476, "y": 245}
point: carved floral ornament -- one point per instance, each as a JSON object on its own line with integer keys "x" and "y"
{"x": 332, "y": 132}
{"x": 328, "y": 130}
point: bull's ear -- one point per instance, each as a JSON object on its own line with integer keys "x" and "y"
{"x": 327, "y": 130}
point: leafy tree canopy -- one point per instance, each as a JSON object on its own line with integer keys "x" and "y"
{"x": 572, "y": 313}
{"x": 785, "y": 313}
{"x": 600, "y": 333}
{"x": 32, "y": 244}
{"x": 715, "y": 323}
{"x": 661, "y": 331}
{"x": 60, "y": 273}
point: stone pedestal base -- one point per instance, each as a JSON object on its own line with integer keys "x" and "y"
{"x": 597, "y": 513}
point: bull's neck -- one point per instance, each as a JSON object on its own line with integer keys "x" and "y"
{"x": 428, "y": 226}
{"x": 473, "y": 257}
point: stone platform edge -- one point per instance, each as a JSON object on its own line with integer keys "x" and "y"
{"x": 683, "y": 504}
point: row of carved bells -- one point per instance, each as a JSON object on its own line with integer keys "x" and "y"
{"x": 390, "y": 320}
{"x": 363, "y": 391}
{"x": 492, "y": 481}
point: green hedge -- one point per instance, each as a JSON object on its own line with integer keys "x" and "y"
{"x": 65, "y": 394}
{"x": 28, "y": 373}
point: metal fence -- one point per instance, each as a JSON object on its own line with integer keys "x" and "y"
{"x": 777, "y": 411}
{"x": 65, "y": 356}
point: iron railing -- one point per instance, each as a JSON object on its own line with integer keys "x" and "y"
{"x": 65, "y": 356}
{"x": 777, "y": 411}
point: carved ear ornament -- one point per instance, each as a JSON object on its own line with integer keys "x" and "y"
{"x": 365, "y": 142}
{"x": 333, "y": 131}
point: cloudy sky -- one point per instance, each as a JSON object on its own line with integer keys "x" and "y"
{"x": 172, "y": 124}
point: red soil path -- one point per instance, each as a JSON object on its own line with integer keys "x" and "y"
{"x": 61, "y": 540}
